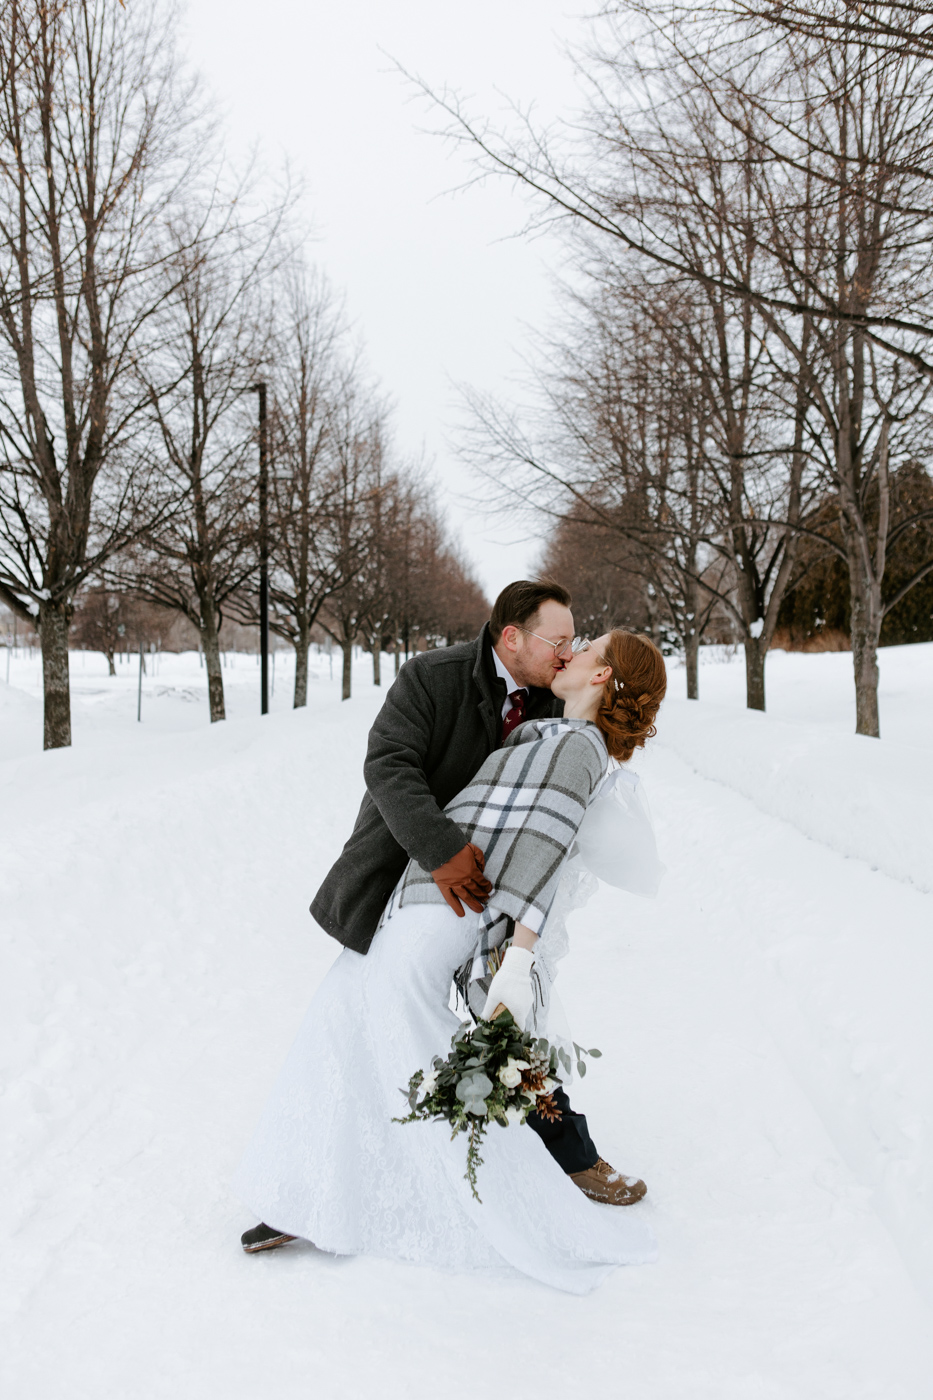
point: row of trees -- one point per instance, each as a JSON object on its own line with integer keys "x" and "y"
{"x": 355, "y": 542}
{"x": 145, "y": 294}
{"x": 741, "y": 387}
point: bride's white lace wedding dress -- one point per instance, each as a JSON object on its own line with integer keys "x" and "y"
{"x": 328, "y": 1164}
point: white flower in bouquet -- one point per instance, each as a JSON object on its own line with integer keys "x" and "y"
{"x": 514, "y": 1115}
{"x": 511, "y": 1073}
{"x": 429, "y": 1083}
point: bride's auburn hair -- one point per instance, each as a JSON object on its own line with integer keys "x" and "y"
{"x": 633, "y": 692}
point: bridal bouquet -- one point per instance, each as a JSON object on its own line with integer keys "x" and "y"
{"x": 495, "y": 1073}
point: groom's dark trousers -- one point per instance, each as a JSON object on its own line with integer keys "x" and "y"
{"x": 441, "y": 720}
{"x": 568, "y": 1140}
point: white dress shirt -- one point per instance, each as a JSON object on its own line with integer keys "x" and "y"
{"x": 510, "y": 685}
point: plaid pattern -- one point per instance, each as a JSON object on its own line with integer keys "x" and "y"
{"x": 523, "y": 810}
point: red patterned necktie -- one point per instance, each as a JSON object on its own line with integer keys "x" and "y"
{"x": 515, "y": 716}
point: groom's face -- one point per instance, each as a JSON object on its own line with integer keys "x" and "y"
{"x": 533, "y": 661}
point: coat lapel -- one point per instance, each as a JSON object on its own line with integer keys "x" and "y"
{"x": 487, "y": 705}
{"x": 541, "y": 703}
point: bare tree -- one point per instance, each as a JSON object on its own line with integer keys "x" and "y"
{"x": 603, "y": 571}
{"x": 414, "y": 593}
{"x": 618, "y": 447}
{"x": 102, "y": 620}
{"x": 358, "y": 437}
{"x": 724, "y": 475}
{"x": 375, "y": 583}
{"x": 859, "y": 235}
{"x": 576, "y": 173}
{"x": 454, "y": 597}
{"x": 401, "y": 583}
{"x": 208, "y": 343}
{"x": 679, "y": 376}
{"x": 833, "y": 136}
{"x": 790, "y": 183}
{"x": 111, "y": 622}
{"x": 897, "y": 26}
{"x": 93, "y": 136}
{"x": 311, "y": 375}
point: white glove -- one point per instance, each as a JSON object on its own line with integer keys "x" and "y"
{"x": 511, "y": 987}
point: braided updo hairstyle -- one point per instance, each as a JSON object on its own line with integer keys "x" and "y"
{"x": 633, "y": 692}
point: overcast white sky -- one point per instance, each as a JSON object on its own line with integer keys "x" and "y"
{"x": 435, "y": 284}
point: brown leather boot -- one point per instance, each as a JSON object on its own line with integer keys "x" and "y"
{"x": 603, "y": 1183}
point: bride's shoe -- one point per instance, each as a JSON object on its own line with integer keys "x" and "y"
{"x": 604, "y": 1184}
{"x": 264, "y": 1237}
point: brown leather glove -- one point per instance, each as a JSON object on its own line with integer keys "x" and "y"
{"x": 462, "y": 878}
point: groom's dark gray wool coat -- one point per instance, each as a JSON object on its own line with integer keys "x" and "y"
{"x": 440, "y": 721}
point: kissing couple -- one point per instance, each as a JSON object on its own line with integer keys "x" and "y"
{"x": 480, "y": 768}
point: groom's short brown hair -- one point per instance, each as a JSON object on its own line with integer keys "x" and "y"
{"x": 518, "y": 602}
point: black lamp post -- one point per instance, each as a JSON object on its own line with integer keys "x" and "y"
{"x": 260, "y": 389}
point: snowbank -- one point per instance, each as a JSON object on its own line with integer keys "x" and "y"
{"x": 817, "y": 688}
{"x": 766, "y": 1047}
{"x": 864, "y": 798}
{"x": 20, "y": 720}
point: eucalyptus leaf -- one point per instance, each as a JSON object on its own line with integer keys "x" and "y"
{"x": 474, "y": 1086}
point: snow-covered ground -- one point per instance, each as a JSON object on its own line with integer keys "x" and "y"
{"x": 765, "y": 1029}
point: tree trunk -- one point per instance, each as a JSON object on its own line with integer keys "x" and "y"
{"x": 110, "y": 663}
{"x": 215, "y": 680}
{"x": 377, "y": 661}
{"x": 54, "y": 621}
{"x": 398, "y": 658}
{"x": 692, "y": 662}
{"x": 866, "y": 574}
{"x": 755, "y": 673}
{"x": 347, "y": 649}
{"x": 301, "y": 669}
{"x": 865, "y": 663}
{"x": 866, "y": 627}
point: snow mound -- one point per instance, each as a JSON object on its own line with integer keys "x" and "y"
{"x": 766, "y": 1044}
{"x": 20, "y": 721}
{"x": 864, "y": 798}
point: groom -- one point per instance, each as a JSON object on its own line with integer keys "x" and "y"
{"x": 446, "y": 712}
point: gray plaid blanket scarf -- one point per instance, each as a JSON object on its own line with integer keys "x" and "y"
{"x": 523, "y": 809}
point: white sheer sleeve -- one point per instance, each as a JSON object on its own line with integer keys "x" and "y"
{"x": 616, "y": 839}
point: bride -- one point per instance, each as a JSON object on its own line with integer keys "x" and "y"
{"x": 326, "y": 1162}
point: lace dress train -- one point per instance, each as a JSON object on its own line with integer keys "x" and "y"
{"x": 327, "y": 1163}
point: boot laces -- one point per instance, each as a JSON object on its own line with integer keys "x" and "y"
{"x": 604, "y": 1170}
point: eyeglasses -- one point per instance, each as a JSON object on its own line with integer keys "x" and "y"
{"x": 584, "y": 644}
{"x": 562, "y": 650}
